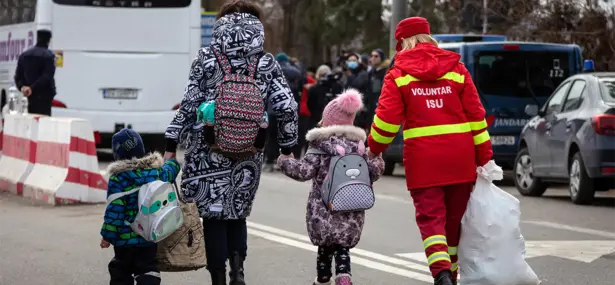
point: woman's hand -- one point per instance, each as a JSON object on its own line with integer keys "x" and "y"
{"x": 169, "y": 155}
{"x": 283, "y": 156}
{"x": 370, "y": 153}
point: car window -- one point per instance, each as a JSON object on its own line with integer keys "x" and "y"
{"x": 608, "y": 89}
{"x": 555, "y": 102}
{"x": 575, "y": 96}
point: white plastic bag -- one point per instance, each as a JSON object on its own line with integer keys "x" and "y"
{"x": 492, "y": 249}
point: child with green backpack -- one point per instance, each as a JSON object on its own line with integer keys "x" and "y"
{"x": 135, "y": 254}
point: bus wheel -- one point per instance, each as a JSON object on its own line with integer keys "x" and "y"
{"x": 525, "y": 181}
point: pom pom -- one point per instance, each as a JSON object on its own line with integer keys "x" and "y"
{"x": 350, "y": 101}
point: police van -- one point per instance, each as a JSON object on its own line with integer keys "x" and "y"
{"x": 509, "y": 76}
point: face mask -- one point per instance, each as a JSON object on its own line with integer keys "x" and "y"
{"x": 352, "y": 64}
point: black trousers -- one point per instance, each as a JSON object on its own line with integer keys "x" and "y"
{"x": 39, "y": 105}
{"x": 222, "y": 239}
{"x": 134, "y": 264}
{"x": 272, "y": 150}
{"x": 304, "y": 126}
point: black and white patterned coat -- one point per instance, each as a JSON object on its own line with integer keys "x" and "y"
{"x": 224, "y": 188}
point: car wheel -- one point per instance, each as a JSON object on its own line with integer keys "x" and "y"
{"x": 389, "y": 168}
{"x": 525, "y": 181}
{"x": 581, "y": 186}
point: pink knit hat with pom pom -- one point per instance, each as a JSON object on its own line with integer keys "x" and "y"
{"x": 343, "y": 109}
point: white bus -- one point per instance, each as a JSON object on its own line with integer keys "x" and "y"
{"x": 119, "y": 63}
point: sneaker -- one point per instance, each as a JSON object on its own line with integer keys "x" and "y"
{"x": 343, "y": 279}
{"x": 444, "y": 278}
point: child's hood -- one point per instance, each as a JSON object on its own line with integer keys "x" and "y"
{"x": 330, "y": 139}
{"x": 153, "y": 160}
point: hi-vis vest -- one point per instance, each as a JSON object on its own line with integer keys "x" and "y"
{"x": 429, "y": 130}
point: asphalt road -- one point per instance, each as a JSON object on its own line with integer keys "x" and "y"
{"x": 566, "y": 244}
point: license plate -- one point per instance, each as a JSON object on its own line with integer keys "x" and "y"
{"x": 503, "y": 140}
{"x": 120, "y": 94}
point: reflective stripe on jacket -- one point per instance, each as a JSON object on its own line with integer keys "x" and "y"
{"x": 432, "y": 95}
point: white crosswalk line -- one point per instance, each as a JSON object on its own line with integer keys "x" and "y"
{"x": 355, "y": 260}
{"x": 355, "y": 251}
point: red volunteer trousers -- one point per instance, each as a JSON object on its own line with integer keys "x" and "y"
{"x": 438, "y": 214}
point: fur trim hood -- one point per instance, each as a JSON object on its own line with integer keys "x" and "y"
{"x": 153, "y": 160}
{"x": 349, "y": 132}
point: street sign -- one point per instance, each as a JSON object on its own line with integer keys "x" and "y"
{"x": 208, "y": 19}
{"x": 578, "y": 250}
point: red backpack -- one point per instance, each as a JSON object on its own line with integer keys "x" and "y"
{"x": 239, "y": 109}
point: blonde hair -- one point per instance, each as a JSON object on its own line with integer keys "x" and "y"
{"x": 411, "y": 42}
{"x": 321, "y": 69}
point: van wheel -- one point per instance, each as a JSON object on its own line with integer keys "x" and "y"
{"x": 389, "y": 168}
{"x": 525, "y": 181}
{"x": 581, "y": 186}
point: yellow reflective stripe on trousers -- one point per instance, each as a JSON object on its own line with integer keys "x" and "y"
{"x": 406, "y": 79}
{"x": 391, "y": 128}
{"x": 454, "y": 267}
{"x": 432, "y": 240}
{"x": 475, "y": 126}
{"x": 438, "y": 256}
{"x": 452, "y": 250}
{"x": 481, "y": 138}
{"x": 380, "y": 138}
{"x": 437, "y": 130}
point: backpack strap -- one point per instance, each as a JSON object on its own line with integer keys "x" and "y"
{"x": 226, "y": 66}
{"x": 116, "y": 196}
{"x": 253, "y": 65}
{"x": 314, "y": 150}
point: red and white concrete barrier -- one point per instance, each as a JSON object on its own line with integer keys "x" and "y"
{"x": 66, "y": 166}
{"x": 19, "y": 141}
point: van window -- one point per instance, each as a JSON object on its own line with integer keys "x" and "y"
{"x": 520, "y": 73}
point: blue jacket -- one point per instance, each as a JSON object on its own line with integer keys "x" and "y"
{"x": 126, "y": 175}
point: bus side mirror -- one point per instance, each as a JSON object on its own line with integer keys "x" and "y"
{"x": 531, "y": 110}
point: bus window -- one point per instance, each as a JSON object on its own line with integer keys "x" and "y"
{"x": 520, "y": 73}
{"x": 16, "y": 11}
{"x": 127, "y": 3}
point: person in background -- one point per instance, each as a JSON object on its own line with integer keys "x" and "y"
{"x": 323, "y": 92}
{"x": 35, "y": 73}
{"x": 135, "y": 258}
{"x": 224, "y": 188}
{"x": 431, "y": 94}
{"x": 358, "y": 78}
{"x": 380, "y": 65}
{"x": 304, "y": 116}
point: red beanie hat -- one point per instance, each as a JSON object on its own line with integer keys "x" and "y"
{"x": 409, "y": 27}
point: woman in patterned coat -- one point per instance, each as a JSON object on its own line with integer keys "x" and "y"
{"x": 224, "y": 188}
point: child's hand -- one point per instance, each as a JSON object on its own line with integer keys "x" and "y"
{"x": 283, "y": 156}
{"x": 104, "y": 243}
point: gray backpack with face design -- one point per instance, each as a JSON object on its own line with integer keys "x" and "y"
{"x": 348, "y": 185}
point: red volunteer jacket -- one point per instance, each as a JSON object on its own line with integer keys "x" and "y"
{"x": 430, "y": 92}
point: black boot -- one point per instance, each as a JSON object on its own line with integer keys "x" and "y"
{"x": 236, "y": 274}
{"x": 218, "y": 277}
{"x": 444, "y": 278}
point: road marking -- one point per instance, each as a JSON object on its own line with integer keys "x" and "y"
{"x": 357, "y": 251}
{"x": 578, "y": 250}
{"x": 572, "y": 228}
{"x": 355, "y": 260}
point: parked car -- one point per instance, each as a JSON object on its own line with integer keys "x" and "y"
{"x": 571, "y": 139}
